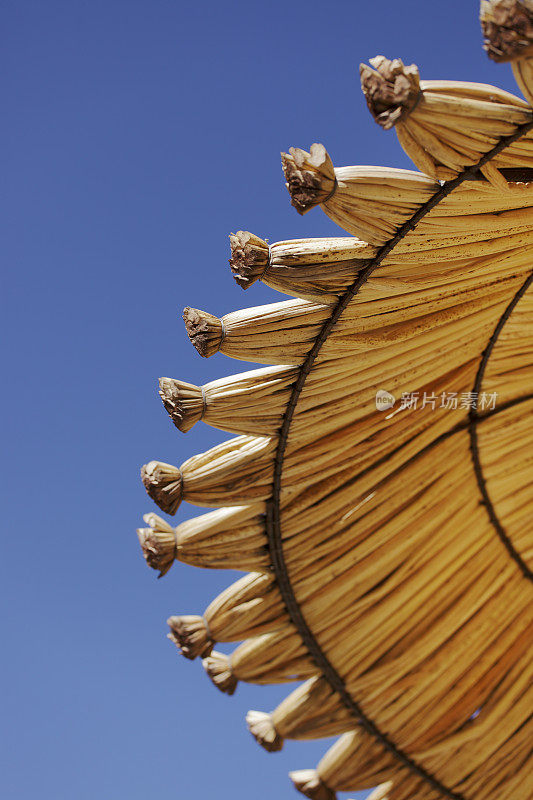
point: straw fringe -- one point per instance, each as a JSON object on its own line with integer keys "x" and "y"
{"x": 249, "y": 257}
{"x": 248, "y": 403}
{"x": 262, "y": 729}
{"x": 277, "y": 657}
{"x": 312, "y": 711}
{"x": 190, "y": 635}
{"x": 205, "y": 331}
{"x": 164, "y": 484}
{"x": 183, "y": 401}
{"x": 507, "y": 27}
{"x": 228, "y": 538}
{"x": 232, "y": 473}
{"x": 278, "y": 333}
{"x": 310, "y": 177}
{"x": 310, "y": 784}
{"x": 218, "y": 667}
{"x": 390, "y": 89}
{"x": 315, "y": 269}
{"x": 158, "y": 543}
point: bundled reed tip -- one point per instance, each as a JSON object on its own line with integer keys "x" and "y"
{"x": 183, "y": 401}
{"x": 390, "y": 88}
{"x": 218, "y": 667}
{"x": 507, "y": 27}
{"x": 164, "y": 485}
{"x": 309, "y": 783}
{"x": 191, "y": 636}
{"x": 158, "y": 543}
{"x": 204, "y": 330}
{"x": 310, "y": 177}
{"x": 249, "y": 257}
{"x": 262, "y": 729}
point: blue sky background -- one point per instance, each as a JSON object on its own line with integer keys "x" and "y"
{"x": 136, "y": 135}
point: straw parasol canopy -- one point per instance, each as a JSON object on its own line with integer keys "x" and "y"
{"x": 378, "y": 494}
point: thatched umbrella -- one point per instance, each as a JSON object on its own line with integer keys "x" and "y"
{"x": 379, "y": 493}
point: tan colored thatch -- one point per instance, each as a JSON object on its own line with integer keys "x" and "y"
{"x": 379, "y": 493}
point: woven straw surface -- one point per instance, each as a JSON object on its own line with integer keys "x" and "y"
{"x": 378, "y": 494}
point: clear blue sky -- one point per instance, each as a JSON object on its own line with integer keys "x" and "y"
{"x": 136, "y": 135}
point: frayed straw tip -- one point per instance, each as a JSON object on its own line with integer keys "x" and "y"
{"x": 164, "y": 484}
{"x": 262, "y": 729}
{"x": 308, "y": 782}
{"x": 205, "y": 331}
{"x": 391, "y": 89}
{"x": 158, "y": 543}
{"x": 507, "y": 27}
{"x": 184, "y": 402}
{"x": 218, "y": 667}
{"x": 190, "y": 635}
{"x": 249, "y": 258}
{"x": 310, "y": 177}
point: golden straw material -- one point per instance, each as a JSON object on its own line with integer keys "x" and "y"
{"x": 378, "y": 493}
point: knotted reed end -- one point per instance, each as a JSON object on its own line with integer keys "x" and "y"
{"x": 204, "y": 330}
{"x": 309, "y": 783}
{"x": 262, "y": 729}
{"x": 191, "y": 636}
{"x": 310, "y": 177}
{"x": 164, "y": 484}
{"x": 507, "y": 27}
{"x": 391, "y": 89}
{"x": 249, "y": 257}
{"x": 184, "y": 402}
{"x": 158, "y": 543}
{"x": 218, "y": 667}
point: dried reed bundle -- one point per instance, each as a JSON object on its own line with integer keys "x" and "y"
{"x": 232, "y": 473}
{"x": 279, "y": 333}
{"x": 278, "y": 657}
{"x": 251, "y": 402}
{"x": 312, "y": 711}
{"x": 369, "y": 202}
{"x": 427, "y": 119}
{"x": 228, "y": 538}
{"x": 312, "y": 269}
{"x": 250, "y": 607}
{"x": 355, "y": 761}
